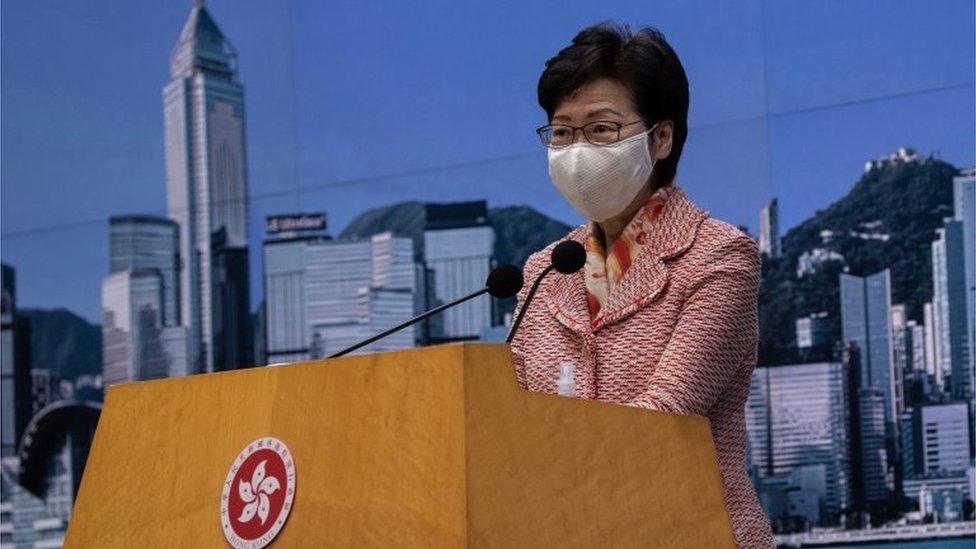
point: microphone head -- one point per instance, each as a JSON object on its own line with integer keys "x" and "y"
{"x": 505, "y": 281}
{"x": 568, "y": 257}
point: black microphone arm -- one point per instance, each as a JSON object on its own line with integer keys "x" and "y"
{"x": 528, "y": 299}
{"x": 413, "y": 320}
{"x": 568, "y": 257}
{"x": 503, "y": 281}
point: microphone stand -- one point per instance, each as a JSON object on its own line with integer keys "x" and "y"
{"x": 413, "y": 320}
{"x": 528, "y": 300}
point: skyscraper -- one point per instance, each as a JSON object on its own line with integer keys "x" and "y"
{"x": 949, "y": 303}
{"x": 901, "y": 353}
{"x": 916, "y": 346}
{"x": 866, "y": 320}
{"x": 909, "y": 340}
{"x": 872, "y": 444}
{"x": 931, "y": 348}
{"x": 206, "y": 184}
{"x": 15, "y": 364}
{"x": 769, "y": 242}
{"x": 141, "y": 335}
{"x": 148, "y": 242}
{"x": 964, "y": 198}
{"x": 458, "y": 251}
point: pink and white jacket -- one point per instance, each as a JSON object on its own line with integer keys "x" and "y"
{"x": 678, "y": 333}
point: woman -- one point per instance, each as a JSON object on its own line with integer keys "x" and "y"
{"x": 663, "y": 315}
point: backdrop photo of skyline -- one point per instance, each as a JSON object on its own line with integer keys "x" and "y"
{"x": 394, "y": 143}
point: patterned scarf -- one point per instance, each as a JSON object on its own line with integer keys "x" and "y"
{"x": 602, "y": 272}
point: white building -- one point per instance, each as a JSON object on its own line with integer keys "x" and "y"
{"x": 458, "y": 250}
{"x": 323, "y": 295}
{"x": 812, "y": 330}
{"x": 135, "y": 344}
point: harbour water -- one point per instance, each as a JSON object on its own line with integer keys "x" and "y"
{"x": 959, "y": 543}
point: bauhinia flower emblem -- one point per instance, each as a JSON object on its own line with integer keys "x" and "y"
{"x": 255, "y": 494}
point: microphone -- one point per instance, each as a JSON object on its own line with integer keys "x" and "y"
{"x": 503, "y": 281}
{"x": 568, "y": 257}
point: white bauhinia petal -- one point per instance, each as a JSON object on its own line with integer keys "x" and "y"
{"x": 248, "y": 512}
{"x": 244, "y": 490}
{"x": 258, "y": 475}
{"x": 264, "y": 507}
{"x": 269, "y": 486}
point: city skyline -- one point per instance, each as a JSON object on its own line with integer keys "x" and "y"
{"x": 299, "y": 162}
{"x": 867, "y": 412}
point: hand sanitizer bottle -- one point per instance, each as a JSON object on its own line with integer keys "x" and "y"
{"x": 565, "y": 386}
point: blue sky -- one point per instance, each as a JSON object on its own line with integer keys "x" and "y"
{"x": 353, "y": 105}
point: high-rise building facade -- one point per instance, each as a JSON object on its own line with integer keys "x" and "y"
{"x": 141, "y": 333}
{"x": 286, "y": 336}
{"x": 322, "y": 295}
{"x": 139, "y": 242}
{"x": 866, "y": 321}
{"x": 15, "y": 364}
{"x": 873, "y": 444}
{"x": 964, "y": 201}
{"x": 949, "y": 303}
{"x": 206, "y": 184}
{"x": 912, "y": 382}
{"x": 458, "y": 252}
{"x": 932, "y": 366}
{"x": 797, "y": 418}
{"x": 769, "y": 242}
{"x": 940, "y": 436}
{"x": 135, "y": 343}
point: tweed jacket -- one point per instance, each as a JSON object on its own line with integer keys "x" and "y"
{"x": 678, "y": 334}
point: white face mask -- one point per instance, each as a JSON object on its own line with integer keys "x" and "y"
{"x": 600, "y": 182}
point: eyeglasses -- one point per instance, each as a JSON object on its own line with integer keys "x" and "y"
{"x": 598, "y": 132}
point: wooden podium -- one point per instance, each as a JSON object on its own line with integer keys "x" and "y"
{"x": 431, "y": 447}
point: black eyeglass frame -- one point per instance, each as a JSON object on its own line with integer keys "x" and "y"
{"x": 540, "y": 131}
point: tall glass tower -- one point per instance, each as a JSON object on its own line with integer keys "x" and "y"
{"x": 206, "y": 187}
{"x": 866, "y": 320}
{"x": 148, "y": 242}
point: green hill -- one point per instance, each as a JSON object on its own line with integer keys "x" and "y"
{"x": 887, "y": 220}
{"x": 64, "y": 343}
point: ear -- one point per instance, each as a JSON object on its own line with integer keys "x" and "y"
{"x": 661, "y": 140}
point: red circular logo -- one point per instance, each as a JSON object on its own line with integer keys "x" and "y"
{"x": 258, "y": 493}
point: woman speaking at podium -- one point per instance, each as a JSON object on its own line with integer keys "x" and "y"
{"x": 663, "y": 315}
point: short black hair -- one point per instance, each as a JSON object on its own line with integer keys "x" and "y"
{"x": 644, "y": 62}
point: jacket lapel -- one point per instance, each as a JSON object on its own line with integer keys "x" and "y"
{"x": 673, "y": 233}
{"x": 565, "y": 295}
